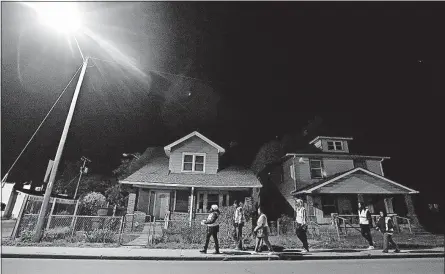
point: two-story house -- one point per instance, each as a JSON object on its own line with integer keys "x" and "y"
{"x": 187, "y": 179}
{"x": 330, "y": 179}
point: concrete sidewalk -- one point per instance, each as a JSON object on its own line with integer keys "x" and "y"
{"x": 124, "y": 253}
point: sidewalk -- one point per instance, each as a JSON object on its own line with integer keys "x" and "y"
{"x": 124, "y": 253}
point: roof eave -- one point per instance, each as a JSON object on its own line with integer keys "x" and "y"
{"x": 336, "y": 155}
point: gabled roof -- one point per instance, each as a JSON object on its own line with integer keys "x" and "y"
{"x": 331, "y": 138}
{"x": 337, "y": 177}
{"x": 168, "y": 148}
{"x": 156, "y": 173}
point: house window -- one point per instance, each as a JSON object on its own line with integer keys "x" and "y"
{"x": 335, "y": 145}
{"x": 316, "y": 170}
{"x": 212, "y": 199}
{"x": 360, "y": 163}
{"x": 193, "y": 162}
{"x": 328, "y": 205}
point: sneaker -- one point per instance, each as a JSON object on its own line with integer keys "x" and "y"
{"x": 203, "y": 251}
{"x": 370, "y": 247}
{"x": 270, "y": 253}
{"x": 397, "y": 251}
{"x": 304, "y": 251}
{"x": 385, "y": 251}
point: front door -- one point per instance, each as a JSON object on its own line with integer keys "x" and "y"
{"x": 161, "y": 205}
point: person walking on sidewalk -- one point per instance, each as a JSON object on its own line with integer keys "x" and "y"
{"x": 240, "y": 219}
{"x": 212, "y": 224}
{"x": 262, "y": 232}
{"x": 301, "y": 225}
{"x": 365, "y": 221}
{"x": 386, "y": 226}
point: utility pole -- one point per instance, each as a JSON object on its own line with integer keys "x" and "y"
{"x": 82, "y": 171}
{"x": 46, "y": 198}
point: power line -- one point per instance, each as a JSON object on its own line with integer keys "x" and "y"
{"x": 38, "y": 128}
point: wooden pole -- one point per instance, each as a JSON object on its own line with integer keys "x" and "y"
{"x": 191, "y": 206}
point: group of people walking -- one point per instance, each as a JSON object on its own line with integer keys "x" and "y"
{"x": 262, "y": 230}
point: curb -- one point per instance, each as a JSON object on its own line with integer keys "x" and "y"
{"x": 152, "y": 258}
{"x": 282, "y": 257}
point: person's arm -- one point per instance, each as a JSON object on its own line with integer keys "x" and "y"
{"x": 369, "y": 217}
{"x": 211, "y": 219}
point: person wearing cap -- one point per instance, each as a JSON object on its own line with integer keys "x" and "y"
{"x": 212, "y": 224}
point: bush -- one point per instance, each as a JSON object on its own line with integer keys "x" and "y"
{"x": 56, "y": 234}
{"x": 100, "y": 236}
{"x": 26, "y": 236}
{"x": 286, "y": 224}
{"x": 91, "y": 202}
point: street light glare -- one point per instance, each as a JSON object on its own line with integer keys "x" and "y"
{"x": 62, "y": 16}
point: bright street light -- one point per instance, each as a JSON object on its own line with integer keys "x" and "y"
{"x": 62, "y": 16}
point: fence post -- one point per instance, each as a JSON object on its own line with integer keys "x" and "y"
{"x": 73, "y": 224}
{"x": 51, "y": 214}
{"x": 75, "y": 212}
{"x": 121, "y": 228}
{"x": 278, "y": 226}
{"x": 19, "y": 218}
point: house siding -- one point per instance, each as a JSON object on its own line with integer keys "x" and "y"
{"x": 374, "y": 166}
{"x": 194, "y": 145}
{"x": 334, "y": 166}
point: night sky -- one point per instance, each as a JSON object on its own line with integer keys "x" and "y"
{"x": 369, "y": 70}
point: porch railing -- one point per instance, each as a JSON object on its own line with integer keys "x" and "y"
{"x": 346, "y": 221}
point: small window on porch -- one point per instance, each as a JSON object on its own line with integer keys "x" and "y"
{"x": 212, "y": 199}
{"x": 328, "y": 205}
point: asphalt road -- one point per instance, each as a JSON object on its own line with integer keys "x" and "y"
{"x": 393, "y": 266}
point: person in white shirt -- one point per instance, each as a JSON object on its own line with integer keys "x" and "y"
{"x": 301, "y": 224}
{"x": 365, "y": 221}
{"x": 262, "y": 232}
{"x": 240, "y": 219}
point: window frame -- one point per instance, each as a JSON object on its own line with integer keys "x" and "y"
{"x": 194, "y": 154}
{"x": 333, "y": 205}
{"x": 334, "y": 144}
{"x": 312, "y": 168}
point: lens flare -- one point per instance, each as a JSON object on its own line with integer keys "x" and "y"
{"x": 62, "y": 16}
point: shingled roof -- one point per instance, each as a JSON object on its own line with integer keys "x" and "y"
{"x": 156, "y": 173}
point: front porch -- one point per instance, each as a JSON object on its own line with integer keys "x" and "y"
{"x": 185, "y": 203}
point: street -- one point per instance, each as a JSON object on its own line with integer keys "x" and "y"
{"x": 402, "y": 266}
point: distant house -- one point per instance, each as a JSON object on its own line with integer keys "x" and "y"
{"x": 330, "y": 179}
{"x": 185, "y": 179}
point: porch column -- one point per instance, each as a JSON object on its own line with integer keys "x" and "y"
{"x": 191, "y": 204}
{"x": 11, "y": 203}
{"x": 131, "y": 203}
{"x": 411, "y": 212}
{"x": 310, "y": 208}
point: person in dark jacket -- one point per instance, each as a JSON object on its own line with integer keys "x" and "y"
{"x": 212, "y": 224}
{"x": 365, "y": 221}
{"x": 386, "y": 226}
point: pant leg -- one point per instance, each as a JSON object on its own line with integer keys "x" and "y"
{"x": 266, "y": 241}
{"x": 208, "y": 235}
{"x": 385, "y": 241}
{"x": 215, "y": 238}
{"x": 390, "y": 240}
{"x": 240, "y": 236}
{"x": 303, "y": 238}
{"x": 366, "y": 233}
{"x": 257, "y": 244}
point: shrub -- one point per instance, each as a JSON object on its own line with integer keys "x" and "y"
{"x": 100, "y": 236}
{"x": 91, "y": 202}
{"x": 286, "y": 224}
{"x": 26, "y": 236}
{"x": 56, "y": 234}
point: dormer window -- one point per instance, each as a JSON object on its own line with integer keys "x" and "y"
{"x": 335, "y": 145}
{"x": 193, "y": 162}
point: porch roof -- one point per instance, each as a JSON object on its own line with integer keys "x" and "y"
{"x": 355, "y": 181}
{"x": 156, "y": 173}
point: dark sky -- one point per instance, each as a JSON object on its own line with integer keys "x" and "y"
{"x": 370, "y": 70}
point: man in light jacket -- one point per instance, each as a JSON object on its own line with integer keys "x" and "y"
{"x": 365, "y": 221}
{"x": 240, "y": 219}
{"x": 212, "y": 224}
